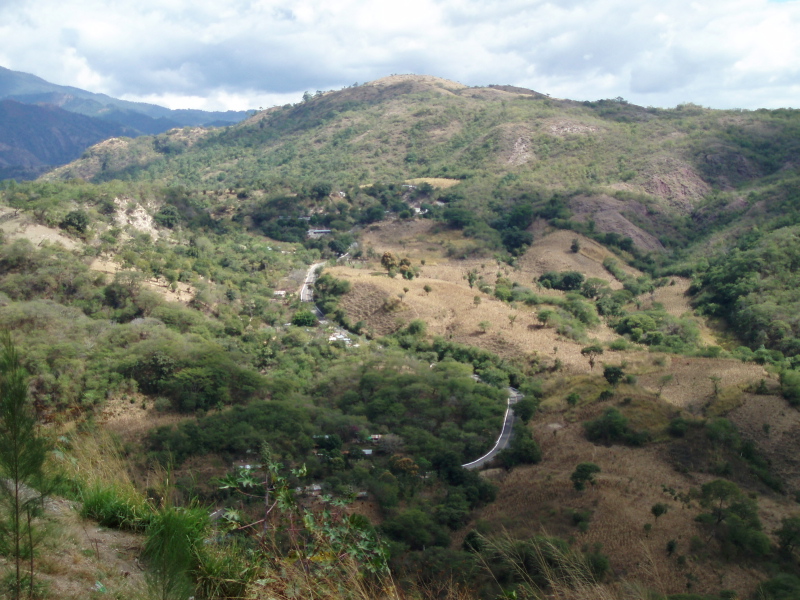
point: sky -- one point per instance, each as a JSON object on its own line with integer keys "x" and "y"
{"x": 246, "y": 54}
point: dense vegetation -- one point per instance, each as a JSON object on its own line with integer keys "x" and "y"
{"x": 220, "y": 220}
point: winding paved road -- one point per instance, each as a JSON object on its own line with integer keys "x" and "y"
{"x": 505, "y": 434}
{"x": 307, "y": 295}
{"x": 307, "y": 289}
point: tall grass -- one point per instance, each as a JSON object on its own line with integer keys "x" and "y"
{"x": 100, "y": 480}
{"x": 174, "y": 537}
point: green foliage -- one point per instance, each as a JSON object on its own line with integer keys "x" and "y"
{"x": 523, "y": 450}
{"x": 167, "y": 217}
{"x": 584, "y": 473}
{"x": 236, "y": 431}
{"x": 613, "y": 374}
{"x": 174, "y": 538}
{"x": 110, "y": 507}
{"x": 656, "y": 328}
{"x": 77, "y": 220}
{"x": 23, "y": 482}
{"x": 734, "y": 518}
{"x": 789, "y": 534}
{"x": 565, "y": 280}
{"x": 790, "y": 386}
{"x": 755, "y": 288}
{"x": 304, "y": 318}
{"x": 526, "y": 408}
{"x": 612, "y": 427}
{"x": 659, "y": 509}
{"x": 783, "y": 586}
{"x": 416, "y": 529}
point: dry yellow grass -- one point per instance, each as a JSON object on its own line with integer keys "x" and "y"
{"x": 441, "y": 183}
{"x": 23, "y": 226}
{"x": 551, "y": 252}
{"x": 449, "y": 309}
{"x": 450, "y": 312}
{"x": 534, "y": 498}
{"x": 775, "y": 427}
{"x": 675, "y": 300}
{"x": 691, "y": 384}
{"x": 79, "y": 555}
{"x": 132, "y": 416}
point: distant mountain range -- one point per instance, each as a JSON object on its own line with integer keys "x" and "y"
{"x": 44, "y": 125}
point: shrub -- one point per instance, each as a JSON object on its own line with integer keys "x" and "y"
{"x": 304, "y": 318}
{"x": 613, "y": 427}
{"x": 77, "y": 220}
{"x": 584, "y": 473}
{"x": 111, "y": 507}
{"x": 790, "y": 386}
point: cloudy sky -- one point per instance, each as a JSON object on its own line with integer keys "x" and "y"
{"x": 239, "y": 54}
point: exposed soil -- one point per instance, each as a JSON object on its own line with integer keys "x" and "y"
{"x": 79, "y": 559}
{"x": 677, "y": 183}
{"x": 22, "y": 226}
{"x": 609, "y": 216}
{"x": 541, "y": 498}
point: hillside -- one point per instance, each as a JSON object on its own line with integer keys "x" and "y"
{"x": 43, "y": 125}
{"x": 36, "y": 138}
{"x": 630, "y": 271}
{"x": 146, "y": 118}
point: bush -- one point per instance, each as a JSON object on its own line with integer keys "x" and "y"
{"x": 611, "y": 428}
{"x": 584, "y": 473}
{"x": 790, "y": 386}
{"x": 304, "y": 318}
{"x": 174, "y": 537}
{"x": 112, "y": 508}
{"x": 77, "y": 220}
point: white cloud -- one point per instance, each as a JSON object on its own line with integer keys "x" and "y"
{"x": 742, "y": 53}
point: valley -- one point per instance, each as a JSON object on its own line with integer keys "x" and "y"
{"x": 631, "y": 271}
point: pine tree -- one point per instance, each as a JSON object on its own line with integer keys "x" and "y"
{"x": 22, "y": 455}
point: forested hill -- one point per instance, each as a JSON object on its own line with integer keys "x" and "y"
{"x": 630, "y": 272}
{"x": 43, "y": 125}
{"x": 33, "y": 139}
{"x": 683, "y": 184}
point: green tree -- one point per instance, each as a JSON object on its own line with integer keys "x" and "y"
{"x": 659, "y": 509}
{"x": 790, "y": 386}
{"x": 484, "y": 326}
{"x": 584, "y": 473}
{"x": 613, "y": 374}
{"x": 592, "y": 352}
{"x": 789, "y": 533}
{"x": 719, "y": 495}
{"x": 389, "y": 261}
{"x": 523, "y": 450}
{"x": 168, "y": 216}
{"x": 77, "y": 220}
{"x": 304, "y": 318}
{"x": 526, "y": 408}
{"x": 22, "y": 455}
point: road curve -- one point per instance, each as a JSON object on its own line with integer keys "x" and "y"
{"x": 307, "y": 289}
{"x": 307, "y": 295}
{"x": 505, "y": 434}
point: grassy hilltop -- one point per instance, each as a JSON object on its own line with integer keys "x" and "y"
{"x": 630, "y": 270}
